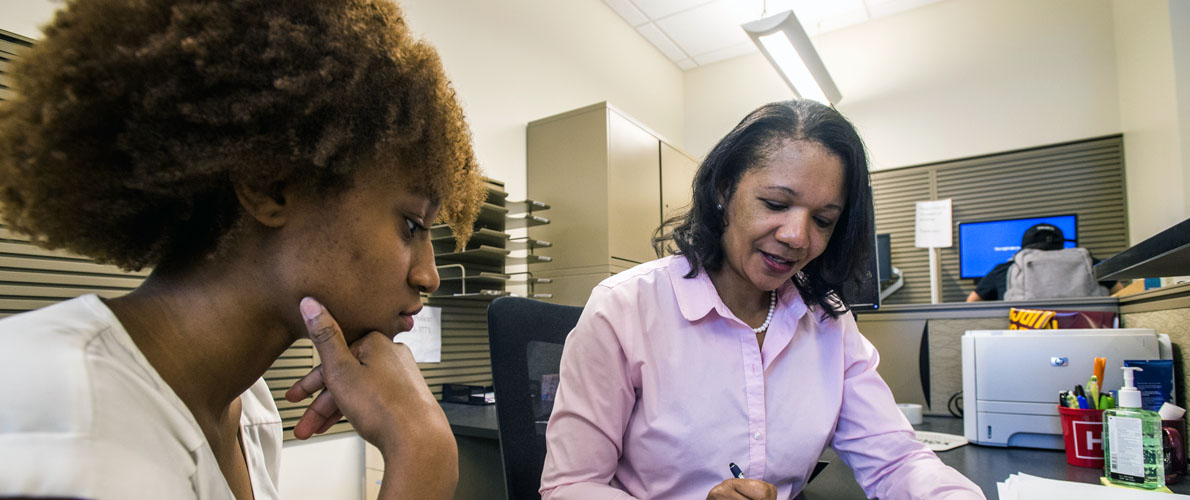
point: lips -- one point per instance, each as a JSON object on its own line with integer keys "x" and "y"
{"x": 776, "y": 264}
{"x": 406, "y": 321}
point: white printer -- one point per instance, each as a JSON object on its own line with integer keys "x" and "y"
{"x": 1011, "y": 378}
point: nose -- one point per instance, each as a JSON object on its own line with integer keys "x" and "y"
{"x": 423, "y": 273}
{"x": 795, "y": 229}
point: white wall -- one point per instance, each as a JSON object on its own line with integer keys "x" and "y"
{"x": 1180, "y": 28}
{"x": 324, "y": 467}
{"x": 1155, "y": 159}
{"x": 952, "y": 79}
{"x": 514, "y": 61}
{"x": 25, "y": 17}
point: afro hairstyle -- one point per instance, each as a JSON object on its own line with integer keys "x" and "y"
{"x": 133, "y": 118}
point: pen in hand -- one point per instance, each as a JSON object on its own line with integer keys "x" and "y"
{"x": 735, "y": 471}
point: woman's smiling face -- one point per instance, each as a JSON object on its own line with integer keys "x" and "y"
{"x": 781, "y": 215}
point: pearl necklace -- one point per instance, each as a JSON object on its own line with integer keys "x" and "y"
{"x": 768, "y": 318}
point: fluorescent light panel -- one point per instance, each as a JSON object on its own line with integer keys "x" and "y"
{"x": 788, "y": 63}
{"x": 786, "y": 46}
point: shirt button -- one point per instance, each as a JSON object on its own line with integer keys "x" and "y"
{"x": 756, "y": 436}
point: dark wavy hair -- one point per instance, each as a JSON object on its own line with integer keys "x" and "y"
{"x": 132, "y": 119}
{"x": 698, "y": 233}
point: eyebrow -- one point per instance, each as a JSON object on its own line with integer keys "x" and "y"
{"x": 795, "y": 195}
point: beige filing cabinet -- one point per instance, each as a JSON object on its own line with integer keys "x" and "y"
{"x": 609, "y": 180}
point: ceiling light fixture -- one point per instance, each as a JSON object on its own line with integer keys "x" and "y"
{"x": 787, "y": 47}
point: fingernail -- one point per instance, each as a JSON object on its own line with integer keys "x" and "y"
{"x": 310, "y": 308}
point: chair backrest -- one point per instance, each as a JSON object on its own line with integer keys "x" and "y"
{"x": 1052, "y": 274}
{"x": 526, "y": 338}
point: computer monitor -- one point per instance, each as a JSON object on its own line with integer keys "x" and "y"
{"x": 866, "y": 293}
{"x": 883, "y": 257}
{"x": 984, "y": 244}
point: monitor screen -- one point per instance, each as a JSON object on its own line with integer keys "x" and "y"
{"x": 984, "y": 244}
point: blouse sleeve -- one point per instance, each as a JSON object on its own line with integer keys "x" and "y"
{"x": 594, "y": 401}
{"x": 877, "y": 442}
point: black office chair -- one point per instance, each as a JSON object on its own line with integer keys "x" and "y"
{"x": 526, "y": 338}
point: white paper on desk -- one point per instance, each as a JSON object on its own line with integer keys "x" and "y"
{"x": 425, "y": 339}
{"x": 1025, "y": 487}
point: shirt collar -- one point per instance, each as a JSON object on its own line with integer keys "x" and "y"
{"x": 697, "y": 296}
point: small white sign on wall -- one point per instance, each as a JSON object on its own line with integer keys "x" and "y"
{"x": 425, "y": 339}
{"x": 932, "y": 225}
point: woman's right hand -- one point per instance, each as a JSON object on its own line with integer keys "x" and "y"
{"x": 743, "y": 489}
{"x": 377, "y": 386}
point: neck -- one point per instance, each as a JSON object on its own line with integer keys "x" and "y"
{"x": 747, "y": 302}
{"x": 210, "y": 332}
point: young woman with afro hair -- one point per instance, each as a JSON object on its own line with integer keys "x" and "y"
{"x": 273, "y": 162}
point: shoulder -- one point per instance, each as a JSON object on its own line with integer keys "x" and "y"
{"x": 83, "y": 410}
{"x": 623, "y": 304}
{"x": 630, "y": 286}
{"x": 995, "y": 277}
{"x": 842, "y": 326}
{"x": 646, "y": 274}
{"x": 46, "y": 350}
{"x": 856, "y": 348}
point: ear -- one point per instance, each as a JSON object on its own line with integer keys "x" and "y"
{"x": 720, "y": 206}
{"x": 265, "y": 204}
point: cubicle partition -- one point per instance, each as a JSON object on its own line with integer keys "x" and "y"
{"x": 919, "y": 344}
{"x": 1166, "y": 310}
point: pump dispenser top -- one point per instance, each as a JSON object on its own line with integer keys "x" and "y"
{"x": 1129, "y": 396}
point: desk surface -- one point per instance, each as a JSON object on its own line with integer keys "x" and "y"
{"x": 984, "y": 465}
{"x": 472, "y": 420}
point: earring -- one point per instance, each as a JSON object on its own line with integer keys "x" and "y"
{"x": 719, "y": 207}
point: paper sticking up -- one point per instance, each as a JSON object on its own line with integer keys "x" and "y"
{"x": 1025, "y": 487}
{"x": 425, "y": 339}
{"x": 1170, "y": 411}
{"x": 932, "y": 224}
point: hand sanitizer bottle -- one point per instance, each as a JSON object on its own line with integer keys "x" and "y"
{"x": 1132, "y": 441}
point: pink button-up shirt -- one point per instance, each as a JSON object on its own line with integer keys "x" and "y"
{"x": 662, "y": 387}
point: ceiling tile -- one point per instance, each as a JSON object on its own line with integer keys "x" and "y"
{"x": 704, "y": 29}
{"x": 817, "y": 16}
{"x": 841, "y": 20}
{"x": 880, "y": 8}
{"x": 696, "y": 32}
{"x": 627, "y": 10}
{"x": 725, "y": 53}
{"x": 662, "y": 42}
{"x": 657, "y": 9}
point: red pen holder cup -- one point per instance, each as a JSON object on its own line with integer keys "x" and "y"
{"x": 1082, "y": 431}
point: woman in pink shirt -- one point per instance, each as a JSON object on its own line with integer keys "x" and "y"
{"x": 738, "y": 349}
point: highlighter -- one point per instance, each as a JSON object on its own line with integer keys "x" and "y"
{"x": 1093, "y": 392}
